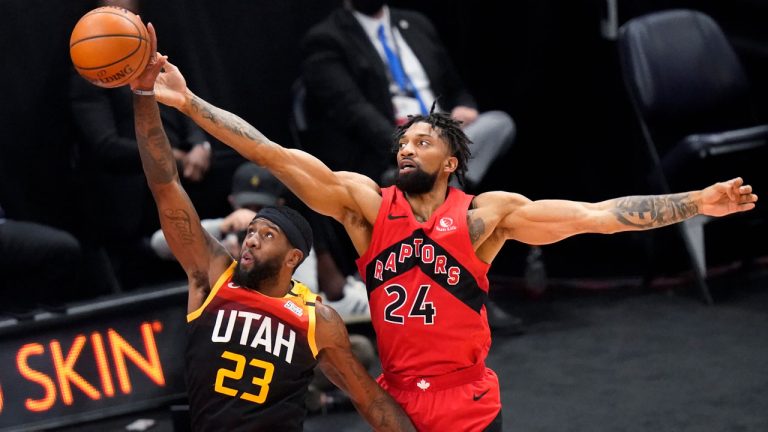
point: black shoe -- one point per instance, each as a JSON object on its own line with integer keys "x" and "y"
{"x": 501, "y": 321}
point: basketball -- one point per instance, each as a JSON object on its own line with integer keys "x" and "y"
{"x": 109, "y": 46}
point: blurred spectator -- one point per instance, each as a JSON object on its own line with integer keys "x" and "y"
{"x": 117, "y": 199}
{"x": 253, "y": 187}
{"x": 39, "y": 265}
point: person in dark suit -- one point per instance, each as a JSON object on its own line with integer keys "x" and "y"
{"x": 354, "y": 97}
{"x": 367, "y": 67}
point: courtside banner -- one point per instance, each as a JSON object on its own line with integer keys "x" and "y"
{"x": 93, "y": 361}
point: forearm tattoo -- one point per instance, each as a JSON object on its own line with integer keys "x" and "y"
{"x": 180, "y": 222}
{"x": 156, "y": 154}
{"x": 476, "y": 228}
{"x": 227, "y": 120}
{"x": 646, "y": 212}
{"x": 385, "y": 414}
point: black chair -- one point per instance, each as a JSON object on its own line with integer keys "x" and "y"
{"x": 691, "y": 97}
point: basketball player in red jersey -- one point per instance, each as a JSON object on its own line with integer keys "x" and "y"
{"x": 254, "y": 334}
{"x": 425, "y": 248}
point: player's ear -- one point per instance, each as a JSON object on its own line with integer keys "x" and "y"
{"x": 451, "y": 164}
{"x": 294, "y": 257}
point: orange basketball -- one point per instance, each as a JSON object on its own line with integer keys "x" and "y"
{"x": 109, "y": 46}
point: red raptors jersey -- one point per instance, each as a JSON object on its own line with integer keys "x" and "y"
{"x": 250, "y": 358}
{"x": 427, "y": 289}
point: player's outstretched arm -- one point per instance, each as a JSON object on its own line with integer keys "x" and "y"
{"x": 340, "y": 365}
{"x": 547, "y": 221}
{"x": 201, "y": 256}
{"x": 305, "y": 175}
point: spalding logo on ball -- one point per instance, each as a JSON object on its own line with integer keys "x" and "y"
{"x": 109, "y": 46}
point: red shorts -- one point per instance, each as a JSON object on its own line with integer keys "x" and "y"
{"x": 465, "y": 401}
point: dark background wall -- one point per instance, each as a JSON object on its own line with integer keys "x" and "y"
{"x": 543, "y": 61}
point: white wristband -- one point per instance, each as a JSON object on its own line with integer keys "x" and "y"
{"x": 144, "y": 92}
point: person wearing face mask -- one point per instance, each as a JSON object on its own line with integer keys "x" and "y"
{"x": 366, "y": 68}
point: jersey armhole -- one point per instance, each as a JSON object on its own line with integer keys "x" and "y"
{"x": 312, "y": 299}
{"x": 387, "y": 195}
{"x": 224, "y": 276}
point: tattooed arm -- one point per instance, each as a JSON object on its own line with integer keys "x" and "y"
{"x": 201, "y": 256}
{"x": 327, "y": 192}
{"x": 500, "y": 216}
{"x": 340, "y": 365}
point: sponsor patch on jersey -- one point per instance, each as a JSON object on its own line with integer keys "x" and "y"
{"x": 445, "y": 224}
{"x": 291, "y": 306}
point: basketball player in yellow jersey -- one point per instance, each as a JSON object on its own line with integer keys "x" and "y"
{"x": 254, "y": 334}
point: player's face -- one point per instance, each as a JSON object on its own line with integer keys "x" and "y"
{"x": 262, "y": 254}
{"x": 421, "y": 158}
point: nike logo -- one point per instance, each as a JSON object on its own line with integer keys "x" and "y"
{"x": 477, "y": 397}
{"x": 393, "y": 217}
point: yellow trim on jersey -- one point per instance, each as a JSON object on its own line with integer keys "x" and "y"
{"x": 308, "y": 296}
{"x": 228, "y": 272}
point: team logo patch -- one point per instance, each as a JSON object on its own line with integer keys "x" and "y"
{"x": 445, "y": 224}
{"x": 423, "y": 384}
{"x": 291, "y": 306}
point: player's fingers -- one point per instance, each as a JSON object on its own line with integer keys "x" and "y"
{"x": 745, "y": 189}
{"x": 746, "y": 207}
{"x": 152, "y": 41}
{"x": 170, "y": 67}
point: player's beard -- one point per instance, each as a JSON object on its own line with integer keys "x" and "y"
{"x": 261, "y": 271}
{"x": 416, "y": 182}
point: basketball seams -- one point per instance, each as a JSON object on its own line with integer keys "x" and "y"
{"x": 108, "y": 35}
{"x": 141, "y": 35}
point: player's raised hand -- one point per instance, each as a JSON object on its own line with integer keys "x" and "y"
{"x": 146, "y": 80}
{"x": 728, "y": 197}
{"x": 171, "y": 87}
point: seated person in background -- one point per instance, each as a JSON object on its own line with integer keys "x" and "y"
{"x": 253, "y": 188}
{"x": 39, "y": 265}
{"x": 340, "y": 284}
{"x": 110, "y": 171}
